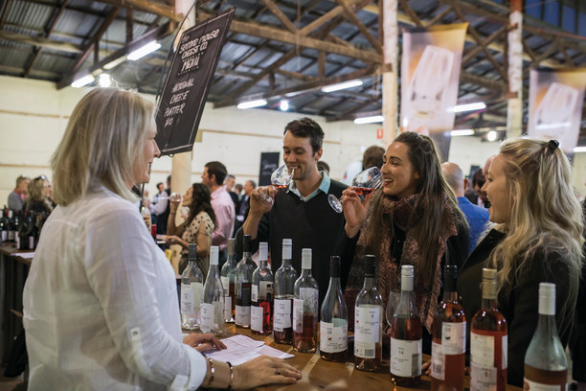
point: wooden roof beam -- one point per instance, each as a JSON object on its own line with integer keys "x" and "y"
{"x": 147, "y": 6}
{"x": 5, "y": 13}
{"x": 41, "y": 42}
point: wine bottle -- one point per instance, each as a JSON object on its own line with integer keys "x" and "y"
{"x": 212, "y": 306}
{"x": 285, "y": 278}
{"x": 333, "y": 326}
{"x": 3, "y": 226}
{"x": 368, "y": 315}
{"x": 305, "y": 307}
{"x": 228, "y": 282}
{"x": 32, "y": 231}
{"x": 546, "y": 367}
{"x": 448, "y": 349}
{"x": 11, "y": 226}
{"x": 191, "y": 291}
{"x": 406, "y": 333}
{"x": 261, "y": 309}
{"x": 22, "y": 236}
{"x": 244, "y": 272}
{"x": 488, "y": 340}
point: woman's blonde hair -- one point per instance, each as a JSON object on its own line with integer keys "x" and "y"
{"x": 36, "y": 189}
{"x": 546, "y": 217}
{"x": 103, "y": 139}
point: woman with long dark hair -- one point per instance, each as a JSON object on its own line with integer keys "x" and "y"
{"x": 412, "y": 220}
{"x": 198, "y": 226}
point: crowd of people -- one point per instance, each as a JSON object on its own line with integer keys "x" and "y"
{"x": 100, "y": 302}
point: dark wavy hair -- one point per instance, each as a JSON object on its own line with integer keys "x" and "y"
{"x": 427, "y": 215}
{"x": 200, "y": 201}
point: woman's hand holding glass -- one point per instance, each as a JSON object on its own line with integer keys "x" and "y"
{"x": 363, "y": 184}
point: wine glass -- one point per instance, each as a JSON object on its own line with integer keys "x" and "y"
{"x": 363, "y": 184}
{"x": 280, "y": 179}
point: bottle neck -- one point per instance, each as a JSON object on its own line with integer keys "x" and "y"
{"x": 286, "y": 262}
{"x": 369, "y": 282}
{"x": 335, "y": 284}
{"x": 305, "y": 272}
{"x": 263, "y": 264}
{"x": 450, "y": 296}
{"x": 489, "y": 289}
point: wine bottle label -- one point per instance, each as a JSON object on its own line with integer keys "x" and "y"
{"x": 11, "y": 235}
{"x": 333, "y": 336}
{"x": 405, "y": 357}
{"x": 4, "y": 236}
{"x": 225, "y": 285}
{"x": 31, "y": 242}
{"x": 218, "y": 313}
{"x": 254, "y": 295}
{"x": 17, "y": 239}
{"x": 186, "y": 299}
{"x": 256, "y": 318}
{"x": 243, "y": 315}
{"x": 227, "y": 308}
{"x": 438, "y": 361}
{"x": 481, "y": 378}
{"x": 482, "y": 350}
{"x": 367, "y": 330}
{"x": 207, "y": 317}
{"x": 197, "y": 288}
{"x": 298, "y": 315}
{"x": 453, "y": 338}
{"x": 529, "y": 385}
{"x": 282, "y": 317}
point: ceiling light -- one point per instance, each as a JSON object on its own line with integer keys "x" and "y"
{"x": 462, "y": 132}
{"x": 83, "y": 81}
{"x": 251, "y": 104}
{"x": 469, "y": 107}
{"x": 143, "y": 51}
{"x": 115, "y": 62}
{"x": 369, "y": 120}
{"x": 579, "y": 149}
{"x": 284, "y": 105}
{"x": 104, "y": 80}
{"x": 341, "y": 86}
{"x": 491, "y": 136}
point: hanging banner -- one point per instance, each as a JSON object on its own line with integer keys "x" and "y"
{"x": 556, "y": 97}
{"x": 430, "y": 74}
{"x": 186, "y": 88}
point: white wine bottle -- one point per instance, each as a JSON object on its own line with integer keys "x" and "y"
{"x": 191, "y": 291}
{"x": 212, "y": 306}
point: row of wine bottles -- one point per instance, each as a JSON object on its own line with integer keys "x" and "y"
{"x": 23, "y": 227}
{"x": 287, "y": 306}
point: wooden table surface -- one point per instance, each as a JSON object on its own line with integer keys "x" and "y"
{"x": 321, "y": 375}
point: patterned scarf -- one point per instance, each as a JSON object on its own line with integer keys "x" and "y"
{"x": 398, "y": 212}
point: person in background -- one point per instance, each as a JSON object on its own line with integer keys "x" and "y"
{"x": 300, "y": 212}
{"x": 238, "y": 190}
{"x": 373, "y": 157}
{"x": 476, "y": 216}
{"x": 323, "y": 166}
{"x": 38, "y": 200}
{"x": 213, "y": 177}
{"x": 198, "y": 226}
{"x": 413, "y": 219}
{"x": 159, "y": 206}
{"x": 100, "y": 300}
{"x": 537, "y": 238}
{"x": 244, "y": 205}
{"x": 577, "y": 341}
{"x": 229, "y": 183}
{"x": 17, "y": 196}
{"x": 478, "y": 181}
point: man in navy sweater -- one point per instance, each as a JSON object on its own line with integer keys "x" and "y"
{"x": 300, "y": 212}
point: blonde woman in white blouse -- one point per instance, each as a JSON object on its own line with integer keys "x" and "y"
{"x": 100, "y": 301}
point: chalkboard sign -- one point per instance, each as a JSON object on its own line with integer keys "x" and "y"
{"x": 269, "y": 162}
{"x": 187, "y": 85}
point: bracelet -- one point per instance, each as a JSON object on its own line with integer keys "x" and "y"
{"x": 172, "y": 213}
{"x": 231, "y": 375}
{"x": 212, "y": 372}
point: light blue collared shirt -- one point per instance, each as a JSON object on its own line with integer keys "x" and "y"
{"x": 323, "y": 187}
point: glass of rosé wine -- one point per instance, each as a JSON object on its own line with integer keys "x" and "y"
{"x": 280, "y": 179}
{"x": 363, "y": 184}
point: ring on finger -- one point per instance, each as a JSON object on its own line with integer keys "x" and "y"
{"x": 277, "y": 371}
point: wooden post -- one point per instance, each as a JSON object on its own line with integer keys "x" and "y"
{"x": 515, "y": 71}
{"x": 390, "y": 70}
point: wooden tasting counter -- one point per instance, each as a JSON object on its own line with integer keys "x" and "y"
{"x": 321, "y": 375}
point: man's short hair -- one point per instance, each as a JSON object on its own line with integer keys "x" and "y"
{"x": 229, "y": 176}
{"x": 217, "y": 169}
{"x": 252, "y": 183}
{"x": 373, "y": 157}
{"x": 307, "y": 128}
{"x": 20, "y": 179}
